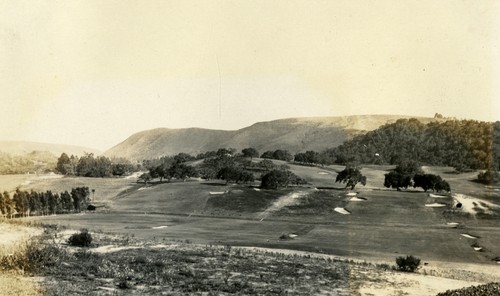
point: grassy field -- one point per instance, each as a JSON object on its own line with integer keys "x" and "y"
{"x": 125, "y": 265}
{"x": 381, "y": 223}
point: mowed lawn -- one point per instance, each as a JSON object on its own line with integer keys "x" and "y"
{"x": 105, "y": 188}
{"x": 382, "y": 225}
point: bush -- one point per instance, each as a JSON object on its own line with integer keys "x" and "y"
{"x": 82, "y": 239}
{"x": 33, "y": 257}
{"x": 408, "y": 263}
{"x": 488, "y": 177}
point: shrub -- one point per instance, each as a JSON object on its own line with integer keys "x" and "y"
{"x": 32, "y": 257}
{"x": 408, "y": 263}
{"x": 82, "y": 239}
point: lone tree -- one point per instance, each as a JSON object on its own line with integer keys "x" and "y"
{"x": 250, "y": 152}
{"x": 351, "y": 176}
{"x": 279, "y": 178}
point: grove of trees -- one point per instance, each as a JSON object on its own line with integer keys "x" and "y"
{"x": 30, "y": 203}
{"x": 462, "y": 144}
{"x": 410, "y": 174}
{"x": 92, "y": 166}
{"x": 280, "y": 178}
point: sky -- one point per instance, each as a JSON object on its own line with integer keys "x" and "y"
{"x": 94, "y": 72}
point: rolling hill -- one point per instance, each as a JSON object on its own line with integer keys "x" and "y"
{"x": 293, "y": 134}
{"x": 19, "y": 157}
{"x": 22, "y": 148}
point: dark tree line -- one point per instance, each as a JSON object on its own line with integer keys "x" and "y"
{"x": 280, "y": 178}
{"x": 465, "y": 144}
{"x": 224, "y": 164}
{"x": 93, "y": 166}
{"x": 409, "y": 174}
{"x": 279, "y": 154}
{"x": 32, "y": 203}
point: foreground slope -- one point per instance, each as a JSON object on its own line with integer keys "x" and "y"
{"x": 294, "y": 135}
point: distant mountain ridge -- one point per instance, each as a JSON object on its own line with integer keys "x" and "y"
{"x": 292, "y": 134}
{"x": 25, "y": 147}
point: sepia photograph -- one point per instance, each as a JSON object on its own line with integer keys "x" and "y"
{"x": 216, "y": 147}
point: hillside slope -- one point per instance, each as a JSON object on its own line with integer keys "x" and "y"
{"x": 22, "y": 148}
{"x": 293, "y": 134}
{"x": 18, "y": 157}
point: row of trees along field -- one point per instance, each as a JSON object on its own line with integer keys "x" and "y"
{"x": 406, "y": 174}
{"x": 223, "y": 164}
{"x": 92, "y": 166}
{"x": 462, "y": 144}
{"x": 31, "y": 203}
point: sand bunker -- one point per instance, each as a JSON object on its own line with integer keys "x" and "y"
{"x": 474, "y": 205}
{"x": 143, "y": 188}
{"x": 134, "y": 175}
{"x": 357, "y": 199}
{"x": 342, "y": 211}
{"x": 435, "y": 205}
{"x": 352, "y": 194}
{"x": 159, "y": 227}
{"x": 49, "y": 176}
{"x": 468, "y": 236}
{"x": 256, "y": 189}
{"x": 287, "y": 200}
{"x": 437, "y": 195}
{"x": 452, "y": 224}
{"x": 478, "y": 249}
{"x": 293, "y": 235}
{"x": 217, "y": 192}
{"x": 323, "y": 173}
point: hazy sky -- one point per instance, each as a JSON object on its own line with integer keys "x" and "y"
{"x": 93, "y": 72}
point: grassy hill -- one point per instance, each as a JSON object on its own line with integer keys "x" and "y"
{"x": 18, "y": 157}
{"x": 23, "y": 147}
{"x": 293, "y": 134}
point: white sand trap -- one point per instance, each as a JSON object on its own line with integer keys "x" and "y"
{"x": 342, "y": 211}
{"x": 134, "y": 175}
{"x": 292, "y": 235}
{"x": 435, "y": 205}
{"x": 159, "y": 227}
{"x": 437, "y": 195}
{"x": 357, "y": 199}
{"x": 452, "y": 224}
{"x": 143, "y": 188}
{"x": 477, "y": 249}
{"x": 470, "y": 204}
{"x": 256, "y": 189}
{"x": 352, "y": 194}
{"x": 323, "y": 173}
{"x": 50, "y": 176}
{"x": 217, "y": 192}
{"x": 468, "y": 235}
{"x": 284, "y": 201}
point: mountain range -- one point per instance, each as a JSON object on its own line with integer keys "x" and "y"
{"x": 292, "y": 134}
